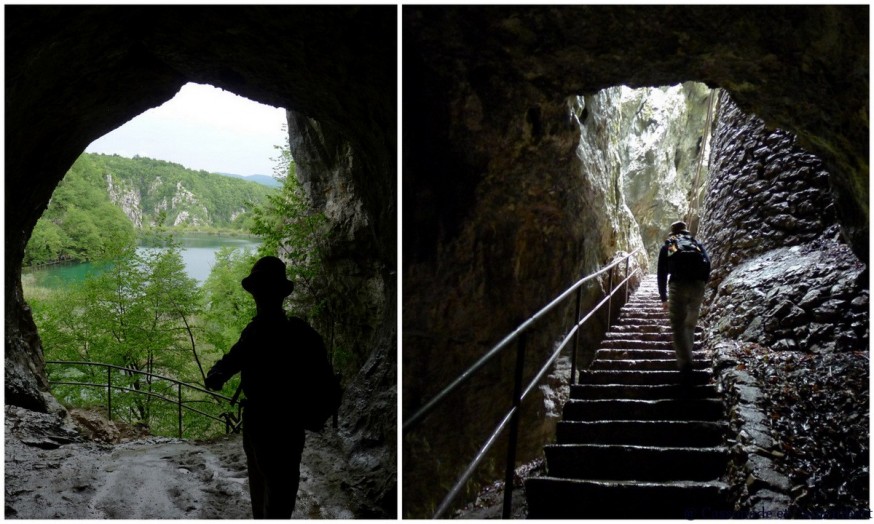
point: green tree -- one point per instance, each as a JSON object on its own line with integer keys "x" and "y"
{"x": 139, "y": 313}
{"x": 290, "y": 230}
{"x": 46, "y": 243}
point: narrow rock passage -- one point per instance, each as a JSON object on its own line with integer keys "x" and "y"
{"x": 633, "y": 443}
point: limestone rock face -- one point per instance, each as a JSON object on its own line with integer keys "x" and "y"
{"x": 783, "y": 275}
{"x": 363, "y": 291}
{"x": 648, "y": 144}
{"x": 126, "y": 199}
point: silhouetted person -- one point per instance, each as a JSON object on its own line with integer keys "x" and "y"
{"x": 275, "y": 378}
{"x": 686, "y": 260}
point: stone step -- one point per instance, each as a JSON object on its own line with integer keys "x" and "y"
{"x": 652, "y": 328}
{"x": 646, "y": 315}
{"x": 636, "y": 354}
{"x": 660, "y": 322}
{"x": 696, "y": 409}
{"x": 641, "y": 392}
{"x": 665, "y": 364}
{"x": 641, "y": 463}
{"x": 697, "y": 377}
{"x": 648, "y": 337}
{"x": 629, "y": 343}
{"x": 560, "y": 498}
{"x": 682, "y": 433}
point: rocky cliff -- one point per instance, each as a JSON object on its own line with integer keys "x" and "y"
{"x": 787, "y": 316}
{"x": 335, "y": 180}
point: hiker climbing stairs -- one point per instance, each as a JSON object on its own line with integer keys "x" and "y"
{"x": 635, "y": 441}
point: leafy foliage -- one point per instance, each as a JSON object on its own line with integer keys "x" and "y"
{"x": 139, "y": 313}
{"x": 80, "y": 223}
{"x": 292, "y": 232}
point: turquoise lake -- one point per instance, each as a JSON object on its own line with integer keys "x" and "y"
{"x": 198, "y": 254}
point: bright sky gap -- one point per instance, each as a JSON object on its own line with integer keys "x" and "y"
{"x": 203, "y": 127}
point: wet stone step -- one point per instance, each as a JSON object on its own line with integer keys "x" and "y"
{"x": 652, "y": 337}
{"x": 622, "y": 343}
{"x": 641, "y": 377}
{"x": 642, "y": 432}
{"x": 608, "y": 354}
{"x": 644, "y": 364}
{"x": 662, "y": 323}
{"x": 643, "y": 314}
{"x": 641, "y": 392}
{"x": 651, "y": 328}
{"x": 549, "y": 498}
{"x": 637, "y": 409}
{"x": 641, "y": 463}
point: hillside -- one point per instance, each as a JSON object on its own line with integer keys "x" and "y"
{"x": 158, "y": 193}
{"x": 104, "y": 199}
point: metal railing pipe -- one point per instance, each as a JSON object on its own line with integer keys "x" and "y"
{"x": 109, "y": 387}
{"x": 430, "y": 405}
{"x": 519, "y": 394}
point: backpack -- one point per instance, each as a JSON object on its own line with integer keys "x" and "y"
{"x": 686, "y": 258}
{"x": 323, "y": 389}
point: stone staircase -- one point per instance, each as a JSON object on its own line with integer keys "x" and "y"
{"x": 633, "y": 442}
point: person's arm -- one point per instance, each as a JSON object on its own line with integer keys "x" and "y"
{"x": 230, "y": 364}
{"x": 662, "y": 275}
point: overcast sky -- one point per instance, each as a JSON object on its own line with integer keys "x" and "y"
{"x": 203, "y": 127}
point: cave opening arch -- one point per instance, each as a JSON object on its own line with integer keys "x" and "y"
{"x": 75, "y": 73}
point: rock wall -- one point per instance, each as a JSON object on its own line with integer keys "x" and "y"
{"x": 780, "y": 265}
{"x": 786, "y": 315}
{"x": 362, "y": 302}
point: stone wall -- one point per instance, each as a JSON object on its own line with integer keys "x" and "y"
{"x": 362, "y": 307}
{"x": 786, "y": 315}
{"x": 782, "y": 275}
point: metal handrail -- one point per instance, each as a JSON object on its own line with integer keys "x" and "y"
{"x": 512, "y": 416}
{"x": 232, "y": 423}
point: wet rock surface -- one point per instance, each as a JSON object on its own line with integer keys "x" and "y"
{"x": 52, "y": 471}
{"x": 786, "y": 316}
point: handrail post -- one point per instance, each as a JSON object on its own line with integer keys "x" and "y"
{"x": 179, "y": 397}
{"x": 109, "y": 393}
{"x": 627, "y": 260}
{"x": 576, "y": 337}
{"x": 610, "y": 300}
{"x": 514, "y": 427}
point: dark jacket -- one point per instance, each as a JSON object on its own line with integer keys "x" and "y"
{"x": 664, "y": 268}
{"x": 277, "y": 358}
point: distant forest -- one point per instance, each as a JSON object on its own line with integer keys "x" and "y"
{"x": 104, "y": 199}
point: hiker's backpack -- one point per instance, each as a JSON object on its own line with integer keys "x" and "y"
{"x": 686, "y": 258}
{"x": 323, "y": 392}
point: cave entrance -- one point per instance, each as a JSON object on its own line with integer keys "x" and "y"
{"x": 135, "y": 264}
{"x": 652, "y": 144}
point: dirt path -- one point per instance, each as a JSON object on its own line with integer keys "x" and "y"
{"x": 52, "y": 472}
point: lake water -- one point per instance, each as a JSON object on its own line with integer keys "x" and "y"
{"x": 198, "y": 254}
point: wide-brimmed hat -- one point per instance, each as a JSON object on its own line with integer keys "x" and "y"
{"x": 268, "y": 277}
{"x": 678, "y": 227}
